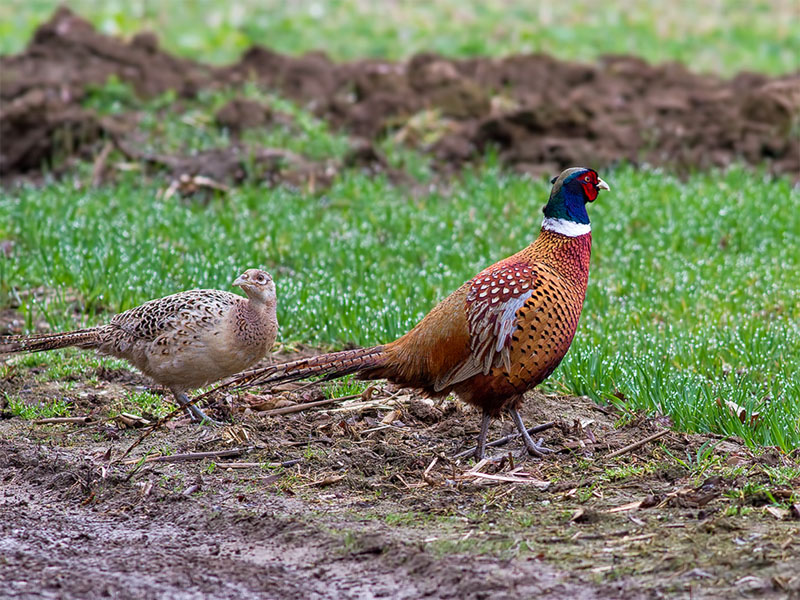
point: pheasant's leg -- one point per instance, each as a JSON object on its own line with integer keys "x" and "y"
{"x": 193, "y": 410}
{"x": 480, "y": 449}
{"x": 534, "y": 448}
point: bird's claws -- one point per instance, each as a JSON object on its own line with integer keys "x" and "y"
{"x": 537, "y": 449}
{"x": 199, "y": 417}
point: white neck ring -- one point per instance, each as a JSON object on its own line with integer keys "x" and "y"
{"x": 567, "y": 228}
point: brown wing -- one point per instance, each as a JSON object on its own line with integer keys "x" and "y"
{"x": 193, "y": 309}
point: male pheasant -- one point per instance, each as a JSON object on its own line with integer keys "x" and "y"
{"x": 183, "y": 341}
{"x": 497, "y": 336}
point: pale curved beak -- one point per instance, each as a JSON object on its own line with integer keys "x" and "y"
{"x": 240, "y": 281}
{"x": 602, "y": 185}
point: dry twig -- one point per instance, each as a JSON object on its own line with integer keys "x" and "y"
{"x": 52, "y": 420}
{"x": 638, "y": 444}
{"x": 248, "y": 465}
{"x": 190, "y": 456}
{"x": 286, "y": 410}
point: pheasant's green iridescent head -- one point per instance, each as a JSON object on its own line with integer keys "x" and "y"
{"x": 571, "y": 191}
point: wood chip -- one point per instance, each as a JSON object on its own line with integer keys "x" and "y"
{"x": 430, "y": 466}
{"x": 191, "y": 489}
{"x": 578, "y": 514}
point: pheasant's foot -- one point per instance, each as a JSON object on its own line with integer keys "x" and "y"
{"x": 198, "y": 416}
{"x": 532, "y": 448}
{"x": 195, "y": 413}
{"x": 480, "y": 449}
{"x": 537, "y": 448}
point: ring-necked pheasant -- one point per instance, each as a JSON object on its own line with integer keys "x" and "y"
{"x": 497, "y": 336}
{"x": 183, "y": 341}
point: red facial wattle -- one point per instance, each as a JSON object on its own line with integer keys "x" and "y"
{"x": 590, "y": 189}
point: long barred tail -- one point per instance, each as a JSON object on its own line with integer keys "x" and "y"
{"x": 83, "y": 338}
{"x": 327, "y": 366}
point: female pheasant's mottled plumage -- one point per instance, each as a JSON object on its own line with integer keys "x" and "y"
{"x": 497, "y": 336}
{"x": 183, "y": 341}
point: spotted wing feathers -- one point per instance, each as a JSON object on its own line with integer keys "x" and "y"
{"x": 190, "y": 310}
{"x": 492, "y": 306}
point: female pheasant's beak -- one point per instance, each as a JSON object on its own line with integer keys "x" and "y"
{"x": 240, "y": 280}
{"x": 602, "y": 185}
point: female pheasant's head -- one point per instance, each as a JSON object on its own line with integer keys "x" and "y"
{"x": 565, "y": 212}
{"x": 258, "y": 285}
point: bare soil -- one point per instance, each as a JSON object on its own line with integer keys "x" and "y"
{"x": 542, "y": 114}
{"x": 378, "y": 505}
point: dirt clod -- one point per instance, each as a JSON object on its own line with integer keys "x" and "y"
{"x": 240, "y": 114}
{"x": 543, "y": 114}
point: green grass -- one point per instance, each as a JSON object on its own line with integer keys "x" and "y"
{"x": 346, "y": 386}
{"x": 66, "y": 366}
{"x": 693, "y": 296}
{"x": 147, "y": 402}
{"x": 39, "y": 410}
{"x": 725, "y": 37}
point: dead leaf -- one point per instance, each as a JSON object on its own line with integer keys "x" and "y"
{"x": 129, "y": 420}
{"x": 740, "y": 412}
{"x": 778, "y": 513}
{"x": 330, "y": 479}
{"x": 389, "y": 418}
{"x": 186, "y": 185}
{"x": 268, "y": 402}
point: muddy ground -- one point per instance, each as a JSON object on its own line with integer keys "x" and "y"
{"x": 373, "y": 502}
{"x": 541, "y": 114}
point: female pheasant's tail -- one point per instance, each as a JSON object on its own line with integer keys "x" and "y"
{"x": 83, "y": 338}
{"x": 326, "y": 366}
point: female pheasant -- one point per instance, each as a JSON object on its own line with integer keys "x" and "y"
{"x": 498, "y": 335}
{"x": 183, "y": 341}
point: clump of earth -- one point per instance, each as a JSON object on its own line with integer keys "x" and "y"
{"x": 540, "y": 113}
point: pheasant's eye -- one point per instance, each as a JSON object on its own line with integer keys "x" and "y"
{"x": 587, "y": 178}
